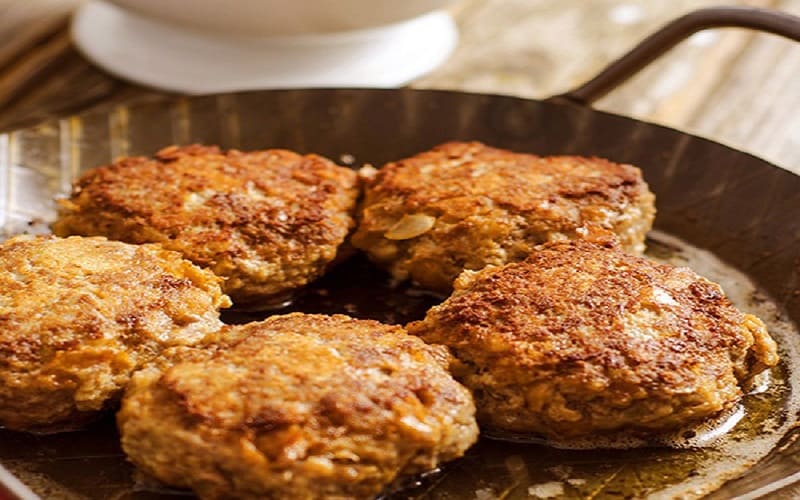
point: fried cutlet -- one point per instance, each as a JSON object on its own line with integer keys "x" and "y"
{"x": 268, "y": 221}
{"x": 298, "y": 406}
{"x": 79, "y": 315}
{"x": 580, "y": 339}
{"x": 462, "y": 206}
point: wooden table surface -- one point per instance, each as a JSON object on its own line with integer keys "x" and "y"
{"x": 733, "y": 86}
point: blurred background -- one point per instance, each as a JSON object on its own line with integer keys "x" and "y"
{"x": 733, "y": 86}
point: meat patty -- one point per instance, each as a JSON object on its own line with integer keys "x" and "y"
{"x": 462, "y": 206}
{"x": 267, "y": 221}
{"x": 79, "y": 315}
{"x": 580, "y": 339}
{"x": 298, "y": 406}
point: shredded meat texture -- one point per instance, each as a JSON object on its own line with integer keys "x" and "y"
{"x": 297, "y": 406}
{"x": 267, "y": 221}
{"x": 462, "y": 206}
{"x": 79, "y": 315}
{"x": 582, "y": 339}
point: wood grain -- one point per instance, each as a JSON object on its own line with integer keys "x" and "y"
{"x": 517, "y": 47}
{"x": 729, "y": 85}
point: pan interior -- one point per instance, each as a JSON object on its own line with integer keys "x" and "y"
{"x": 698, "y": 462}
{"x": 740, "y": 207}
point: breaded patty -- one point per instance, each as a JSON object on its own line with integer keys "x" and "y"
{"x": 462, "y": 206}
{"x": 298, "y": 406}
{"x": 78, "y": 315}
{"x": 581, "y": 339}
{"x": 267, "y": 221}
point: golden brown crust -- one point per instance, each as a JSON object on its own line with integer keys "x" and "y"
{"x": 466, "y": 205}
{"x": 298, "y": 406}
{"x": 579, "y": 339}
{"x": 268, "y": 221}
{"x": 78, "y": 315}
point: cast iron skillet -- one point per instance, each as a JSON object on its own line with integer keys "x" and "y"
{"x": 744, "y": 210}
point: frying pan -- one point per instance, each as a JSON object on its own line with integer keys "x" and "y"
{"x": 743, "y": 210}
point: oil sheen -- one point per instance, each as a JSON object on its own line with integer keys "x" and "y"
{"x": 688, "y": 463}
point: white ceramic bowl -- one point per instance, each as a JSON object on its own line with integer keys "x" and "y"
{"x": 282, "y": 17}
{"x": 211, "y": 46}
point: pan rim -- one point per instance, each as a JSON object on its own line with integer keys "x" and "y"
{"x": 552, "y": 101}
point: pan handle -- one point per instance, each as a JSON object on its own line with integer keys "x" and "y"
{"x": 616, "y": 73}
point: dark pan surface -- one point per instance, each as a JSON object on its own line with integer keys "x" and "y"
{"x": 744, "y": 210}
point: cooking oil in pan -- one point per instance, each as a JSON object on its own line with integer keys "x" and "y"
{"x": 689, "y": 463}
